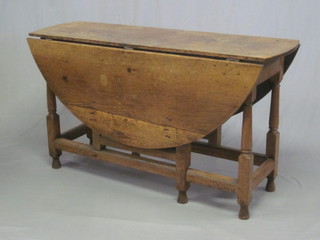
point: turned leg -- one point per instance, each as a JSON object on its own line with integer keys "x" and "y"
{"x": 214, "y": 138}
{"x": 183, "y": 158}
{"x": 273, "y": 136}
{"x": 245, "y": 171}
{"x": 53, "y": 127}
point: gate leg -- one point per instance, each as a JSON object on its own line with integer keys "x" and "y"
{"x": 53, "y": 128}
{"x": 245, "y": 159}
{"x": 183, "y": 158}
{"x": 273, "y": 136}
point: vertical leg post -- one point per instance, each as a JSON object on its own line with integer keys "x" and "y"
{"x": 245, "y": 170}
{"x": 183, "y": 159}
{"x": 96, "y": 141}
{"x": 214, "y": 138}
{"x": 273, "y": 136}
{"x": 53, "y": 128}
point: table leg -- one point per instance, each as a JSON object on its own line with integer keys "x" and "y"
{"x": 245, "y": 171}
{"x": 53, "y": 128}
{"x": 183, "y": 159}
{"x": 214, "y": 139}
{"x": 273, "y": 136}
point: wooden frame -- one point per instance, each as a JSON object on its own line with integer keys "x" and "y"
{"x": 247, "y": 180}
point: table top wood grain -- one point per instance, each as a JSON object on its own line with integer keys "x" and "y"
{"x": 216, "y": 45}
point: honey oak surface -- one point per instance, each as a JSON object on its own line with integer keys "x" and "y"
{"x": 140, "y": 98}
{"x": 247, "y": 48}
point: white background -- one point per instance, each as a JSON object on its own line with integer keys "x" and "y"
{"x": 88, "y": 199}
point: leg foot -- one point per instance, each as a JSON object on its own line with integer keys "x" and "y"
{"x": 244, "y": 212}
{"x": 182, "y": 197}
{"x": 270, "y": 187}
{"x": 56, "y": 163}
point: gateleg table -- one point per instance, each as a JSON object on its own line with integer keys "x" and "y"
{"x": 157, "y": 92}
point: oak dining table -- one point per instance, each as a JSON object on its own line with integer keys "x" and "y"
{"x": 149, "y": 97}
